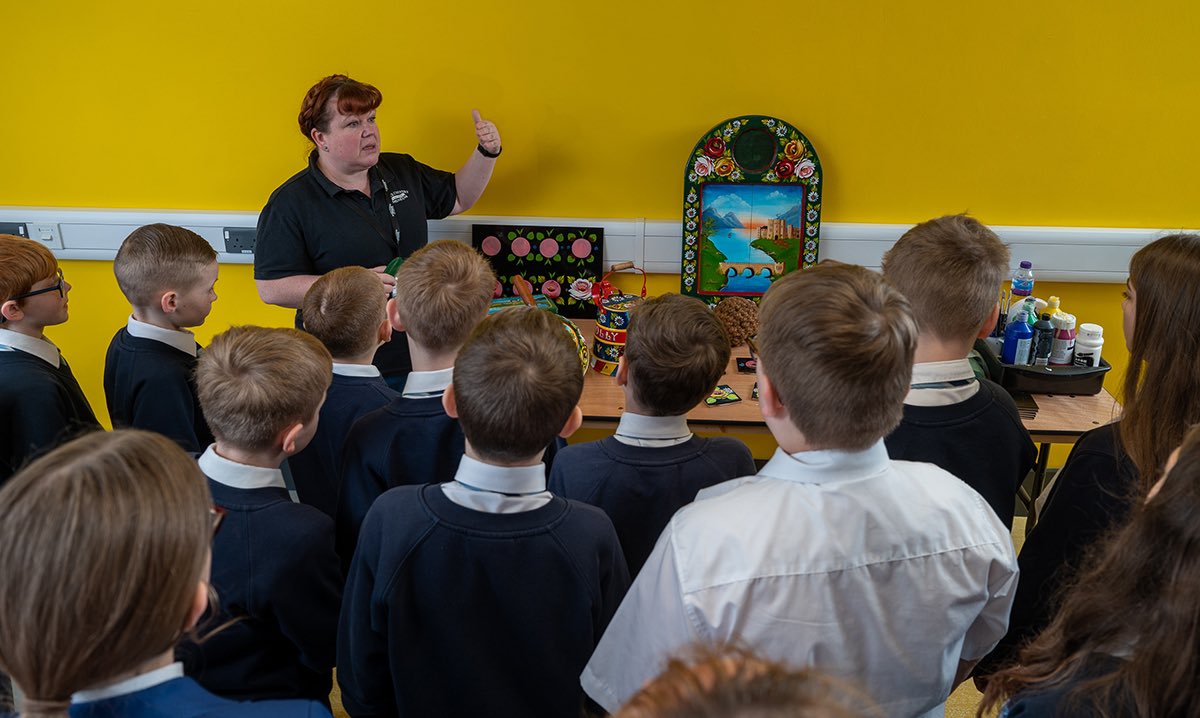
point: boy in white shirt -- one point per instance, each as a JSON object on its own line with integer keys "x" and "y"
{"x": 893, "y": 574}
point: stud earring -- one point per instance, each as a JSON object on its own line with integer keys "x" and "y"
{"x": 326, "y": 148}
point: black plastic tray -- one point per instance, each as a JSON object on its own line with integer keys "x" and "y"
{"x": 1051, "y": 379}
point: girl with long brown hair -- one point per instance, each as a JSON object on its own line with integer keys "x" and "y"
{"x": 1110, "y": 469}
{"x": 1127, "y": 640}
{"x": 104, "y": 553}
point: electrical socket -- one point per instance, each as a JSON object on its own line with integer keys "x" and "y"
{"x": 47, "y": 234}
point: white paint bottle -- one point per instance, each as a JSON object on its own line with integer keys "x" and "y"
{"x": 1088, "y": 343}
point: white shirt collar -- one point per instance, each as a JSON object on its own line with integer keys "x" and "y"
{"x": 363, "y": 370}
{"x": 825, "y": 466}
{"x": 238, "y": 476}
{"x": 941, "y": 372}
{"x": 130, "y": 685}
{"x": 427, "y": 384}
{"x": 498, "y": 489}
{"x": 177, "y": 339}
{"x": 652, "y": 431}
{"x": 40, "y": 348}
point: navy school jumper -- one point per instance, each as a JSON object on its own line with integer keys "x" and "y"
{"x": 40, "y": 407}
{"x": 152, "y": 386}
{"x": 641, "y": 488}
{"x": 980, "y": 440}
{"x": 183, "y": 698}
{"x": 316, "y": 470}
{"x": 275, "y": 571}
{"x": 451, "y": 611}
{"x": 409, "y": 442}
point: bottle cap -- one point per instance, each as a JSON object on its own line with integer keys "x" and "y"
{"x": 1023, "y": 317}
{"x": 1045, "y": 317}
{"x": 1026, "y": 264}
{"x": 1091, "y": 331}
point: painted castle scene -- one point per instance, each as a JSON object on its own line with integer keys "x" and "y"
{"x": 750, "y": 234}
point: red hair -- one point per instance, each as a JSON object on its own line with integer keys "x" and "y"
{"x": 353, "y": 98}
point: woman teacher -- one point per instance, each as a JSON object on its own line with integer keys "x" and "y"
{"x": 354, "y": 205}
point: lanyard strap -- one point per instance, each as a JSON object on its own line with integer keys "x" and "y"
{"x": 370, "y": 216}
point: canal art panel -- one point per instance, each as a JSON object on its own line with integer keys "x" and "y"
{"x": 560, "y": 262}
{"x": 752, "y": 208}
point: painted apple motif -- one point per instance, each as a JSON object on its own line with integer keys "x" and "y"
{"x": 548, "y": 248}
{"x": 581, "y": 248}
{"x": 498, "y": 290}
{"x": 491, "y": 246}
{"x": 551, "y": 289}
{"x": 520, "y": 246}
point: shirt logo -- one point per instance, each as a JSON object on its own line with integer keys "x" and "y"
{"x": 399, "y": 196}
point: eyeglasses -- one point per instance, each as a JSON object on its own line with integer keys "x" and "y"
{"x": 217, "y": 514}
{"x": 56, "y": 287}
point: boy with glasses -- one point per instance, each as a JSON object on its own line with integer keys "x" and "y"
{"x": 41, "y": 404}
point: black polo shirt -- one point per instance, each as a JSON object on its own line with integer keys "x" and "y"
{"x": 312, "y": 226}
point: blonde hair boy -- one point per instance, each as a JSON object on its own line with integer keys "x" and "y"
{"x": 261, "y": 388}
{"x": 274, "y": 564}
{"x": 892, "y": 574}
{"x": 950, "y": 269}
{"x": 442, "y": 292}
{"x": 168, "y": 274}
{"x": 347, "y": 311}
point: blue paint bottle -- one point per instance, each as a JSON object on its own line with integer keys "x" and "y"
{"x": 1018, "y": 341}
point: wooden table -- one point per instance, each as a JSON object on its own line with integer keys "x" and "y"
{"x": 1060, "y": 419}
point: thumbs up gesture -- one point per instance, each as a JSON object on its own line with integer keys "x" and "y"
{"x": 489, "y": 136}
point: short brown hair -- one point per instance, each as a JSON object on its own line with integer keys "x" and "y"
{"x": 160, "y": 258}
{"x": 442, "y": 292}
{"x": 516, "y": 382}
{"x": 23, "y": 263}
{"x": 837, "y": 344}
{"x": 344, "y": 309}
{"x": 254, "y": 382}
{"x": 103, "y": 545}
{"x": 676, "y": 350}
{"x": 735, "y": 683}
{"x": 352, "y": 98}
{"x": 950, "y": 268}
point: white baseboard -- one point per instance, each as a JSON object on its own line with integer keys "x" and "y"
{"x": 1069, "y": 254}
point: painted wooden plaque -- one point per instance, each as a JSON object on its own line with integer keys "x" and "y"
{"x": 561, "y": 263}
{"x": 751, "y": 208}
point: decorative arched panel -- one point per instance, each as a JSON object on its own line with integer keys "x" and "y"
{"x": 751, "y": 208}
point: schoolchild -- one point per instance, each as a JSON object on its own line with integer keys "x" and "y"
{"x": 893, "y": 574}
{"x": 273, "y": 564}
{"x": 950, "y": 269}
{"x": 103, "y": 572}
{"x": 487, "y": 594}
{"x": 41, "y": 404}
{"x": 346, "y": 310}
{"x": 676, "y": 351}
{"x": 1112, "y": 467}
{"x": 442, "y": 292}
{"x": 168, "y": 275}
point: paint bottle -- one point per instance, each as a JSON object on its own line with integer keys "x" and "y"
{"x": 1088, "y": 344}
{"x": 1018, "y": 338}
{"x": 1029, "y": 306}
{"x": 1043, "y": 341}
{"x": 1062, "y": 351}
{"x": 1051, "y": 307}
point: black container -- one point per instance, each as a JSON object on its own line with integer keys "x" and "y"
{"x": 1053, "y": 379}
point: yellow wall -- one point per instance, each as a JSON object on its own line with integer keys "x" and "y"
{"x": 1048, "y": 112}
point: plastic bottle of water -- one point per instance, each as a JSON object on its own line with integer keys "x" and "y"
{"x": 1022, "y": 280}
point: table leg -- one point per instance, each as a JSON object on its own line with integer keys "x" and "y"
{"x": 1039, "y": 483}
